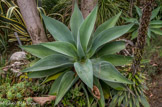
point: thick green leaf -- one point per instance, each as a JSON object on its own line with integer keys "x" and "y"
{"x": 80, "y": 50}
{"x": 106, "y": 89}
{"x": 114, "y": 101}
{"x": 56, "y": 85}
{"x": 157, "y": 31}
{"x": 66, "y": 83}
{"x": 111, "y": 48}
{"x": 101, "y": 101}
{"x": 53, "y": 77}
{"x": 58, "y": 30}
{"x": 134, "y": 34}
{"x": 130, "y": 20}
{"x": 38, "y": 50}
{"x": 85, "y": 72}
{"x": 116, "y": 86}
{"x": 144, "y": 102}
{"x": 117, "y": 60}
{"x": 45, "y": 73}
{"x": 50, "y": 62}
{"x": 109, "y": 35}
{"x": 155, "y": 13}
{"x": 87, "y": 96}
{"x": 76, "y": 21}
{"x": 62, "y": 47}
{"x": 87, "y": 27}
{"x": 149, "y": 33}
{"x": 156, "y": 22}
{"x": 108, "y": 24}
{"x": 107, "y": 72}
{"x": 156, "y": 26}
{"x": 138, "y": 10}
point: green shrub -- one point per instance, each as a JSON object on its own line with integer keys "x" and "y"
{"x": 80, "y": 55}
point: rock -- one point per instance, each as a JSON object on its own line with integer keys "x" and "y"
{"x": 18, "y": 56}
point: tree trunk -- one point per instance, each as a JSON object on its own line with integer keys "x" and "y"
{"x": 142, "y": 33}
{"x": 87, "y": 6}
{"x": 28, "y": 9}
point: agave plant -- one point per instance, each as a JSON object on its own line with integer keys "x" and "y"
{"x": 154, "y": 26}
{"x": 80, "y": 55}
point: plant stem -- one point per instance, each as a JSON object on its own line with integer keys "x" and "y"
{"x": 142, "y": 32}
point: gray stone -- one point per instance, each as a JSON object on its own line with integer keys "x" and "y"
{"x": 18, "y": 56}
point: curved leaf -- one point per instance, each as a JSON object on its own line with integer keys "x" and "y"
{"x": 101, "y": 101}
{"x": 50, "y": 62}
{"x": 53, "y": 77}
{"x": 85, "y": 72}
{"x": 38, "y": 50}
{"x": 58, "y": 30}
{"x": 157, "y": 31}
{"x": 75, "y": 21}
{"x": 117, "y": 60}
{"x": 144, "y": 102}
{"x": 107, "y": 72}
{"x": 111, "y": 48}
{"x": 87, "y": 27}
{"x": 108, "y": 24}
{"x": 80, "y": 50}
{"x": 138, "y": 10}
{"x": 87, "y": 96}
{"x": 44, "y": 73}
{"x": 56, "y": 85}
{"x": 155, "y": 13}
{"x": 156, "y": 22}
{"x": 109, "y": 35}
{"x": 116, "y": 86}
{"x": 66, "y": 83}
{"x": 134, "y": 34}
{"x": 62, "y": 47}
{"x": 130, "y": 20}
{"x": 149, "y": 33}
{"x": 156, "y": 26}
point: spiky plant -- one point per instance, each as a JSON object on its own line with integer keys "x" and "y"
{"x": 80, "y": 55}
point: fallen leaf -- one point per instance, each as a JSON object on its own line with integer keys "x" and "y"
{"x": 43, "y": 100}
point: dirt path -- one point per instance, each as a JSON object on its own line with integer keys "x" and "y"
{"x": 155, "y": 91}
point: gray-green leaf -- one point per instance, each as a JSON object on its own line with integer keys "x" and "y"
{"x": 109, "y": 35}
{"x": 76, "y": 21}
{"x": 50, "y": 62}
{"x": 85, "y": 72}
{"x": 87, "y": 27}
{"x": 111, "y": 48}
{"x": 66, "y": 83}
{"x": 58, "y": 30}
{"x": 62, "y": 47}
{"x": 108, "y": 24}
{"x": 117, "y": 60}
{"x": 155, "y": 13}
{"x": 106, "y": 71}
{"x": 38, "y": 50}
{"x": 44, "y": 73}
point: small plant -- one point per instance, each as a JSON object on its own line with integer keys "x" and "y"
{"x": 154, "y": 26}
{"x": 11, "y": 95}
{"x": 80, "y": 56}
{"x": 74, "y": 98}
{"x": 131, "y": 95}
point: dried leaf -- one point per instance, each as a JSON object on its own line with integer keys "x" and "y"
{"x": 43, "y": 100}
{"x": 96, "y": 92}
